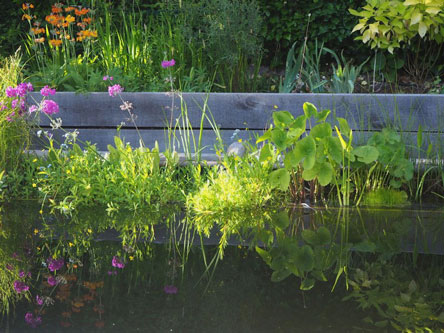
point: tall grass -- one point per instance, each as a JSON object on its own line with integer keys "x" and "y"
{"x": 14, "y": 135}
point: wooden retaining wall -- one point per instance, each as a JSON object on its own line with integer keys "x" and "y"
{"x": 97, "y": 115}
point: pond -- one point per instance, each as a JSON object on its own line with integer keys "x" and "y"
{"x": 303, "y": 269}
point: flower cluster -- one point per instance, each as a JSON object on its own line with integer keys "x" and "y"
{"x": 114, "y": 90}
{"x": 75, "y": 26}
{"x": 55, "y": 264}
{"x": 32, "y": 321}
{"x": 17, "y": 105}
{"x": 46, "y": 91}
{"x": 117, "y": 262}
{"x": 20, "y": 286}
{"x": 168, "y": 63}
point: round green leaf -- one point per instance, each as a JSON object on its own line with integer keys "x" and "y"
{"x": 366, "y": 154}
{"x": 306, "y": 150}
{"x": 280, "y": 179}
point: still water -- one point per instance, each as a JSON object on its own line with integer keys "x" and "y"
{"x": 302, "y": 270}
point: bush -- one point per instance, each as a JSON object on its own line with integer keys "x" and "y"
{"x": 330, "y": 22}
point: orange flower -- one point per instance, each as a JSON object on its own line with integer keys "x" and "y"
{"x": 88, "y": 297}
{"x": 54, "y": 19}
{"x": 55, "y": 42}
{"x": 39, "y": 40}
{"x": 87, "y": 20}
{"x": 37, "y": 31}
{"x": 74, "y": 309}
{"x": 57, "y": 8}
{"x": 81, "y": 12}
{"x": 69, "y": 9}
{"x": 87, "y": 33}
{"x": 26, "y": 17}
{"x": 27, "y": 6}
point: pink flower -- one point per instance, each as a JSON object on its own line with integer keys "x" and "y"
{"x": 168, "y": 63}
{"x": 46, "y": 91}
{"x": 14, "y": 103}
{"x": 32, "y": 321}
{"x": 54, "y": 264}
{"x": 106, "y": 77}
{"x": 114, "y": 90}
{"x": 52, "y": 281}
{"x": 112, "y": 273}
{"x": 20, "y": 287}
{"x": 170, "y": 289}
{"x": 11, "y": 92}
{"x": 117, "y": 262}
{"x": 39, "y": 300}
{"x": 32, "y": 108}
{"x": 50, "y": 107}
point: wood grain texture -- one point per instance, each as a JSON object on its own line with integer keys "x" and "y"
{"x": 252, "y": 111}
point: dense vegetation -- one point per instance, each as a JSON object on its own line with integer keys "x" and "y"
{"x": 229, "y": 45}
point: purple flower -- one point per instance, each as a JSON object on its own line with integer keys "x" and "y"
{"x": 29, "y": 86}
{"x": 50, "y": 107}
{"x": 168, "y": 63}
{"x": 20, "y": 286}
{"x": 170, "y": 289}
{"x": 32, "y": 321}
{"x": 112, "y": 273}
{"x": 32, "y": 108}
{"x": 9, "y": 267}
{"x": 55, "y": 264}
{"x": 15, "y": 255}
{"x": 52, "y": 281}
{"x": 117, "y": 262}
{"x": 11, "y": 92}
{"x": 114, "y": 90}
{"x": 39, "y": 300}
{"x": 22, "y": 274}
{"x": 22, "y": 106}
{"x": 14, "y": 103}
{"x": 46, "y": 91}
{"x": 2, "y": 106}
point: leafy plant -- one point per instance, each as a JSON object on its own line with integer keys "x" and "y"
{"x": 318, "y": 155}
{"x": 344, "y": 75}
{"x": 387, "y": 24}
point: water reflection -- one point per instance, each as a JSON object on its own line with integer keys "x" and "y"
{"x": 80, "y": 271}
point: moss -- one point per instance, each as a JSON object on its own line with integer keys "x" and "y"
{"x": 385, "y": 197}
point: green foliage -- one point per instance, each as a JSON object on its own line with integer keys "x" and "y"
{"x": 319, "y": 154}
{"x": 128, "y": 178}
{"x": 240, "y": 184}
{"x": 406, "y": 304}
{"x": 388, "y": 24}
{"x": 344, "y": 75}
{"x": 308, "y": 261}
{"x": 385, "y": 197}
{"x": 286, "y": 22}
{"x": 14, "y": 135}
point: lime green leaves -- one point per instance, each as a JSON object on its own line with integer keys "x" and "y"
{"x": 387, "y": 24}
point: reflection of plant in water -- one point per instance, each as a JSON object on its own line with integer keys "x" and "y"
{"x": 407, "y": 298}
{"x": 287, "y": 255}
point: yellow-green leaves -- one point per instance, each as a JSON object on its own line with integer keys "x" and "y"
{"x": 386, "y": 24}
